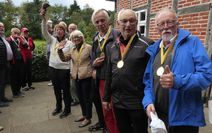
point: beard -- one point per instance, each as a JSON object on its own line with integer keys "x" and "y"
{"x": 167, "y": 35}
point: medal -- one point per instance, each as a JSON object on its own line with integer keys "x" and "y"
{"x": 102, "y": 54}
{"x": 120, "y": 64}
{"x": 160, "y": 71}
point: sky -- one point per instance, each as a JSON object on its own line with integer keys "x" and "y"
{"x": 95, "y": 4}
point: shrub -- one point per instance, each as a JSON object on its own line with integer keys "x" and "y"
{"x": 39, "y": 63}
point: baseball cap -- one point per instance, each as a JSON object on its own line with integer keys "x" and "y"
{"x": 24, "y": 29}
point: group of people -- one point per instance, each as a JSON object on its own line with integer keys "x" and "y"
{"x": 128, "y": 76}
{"x": 16, "y": 53}
{"x": 124, "y": 74}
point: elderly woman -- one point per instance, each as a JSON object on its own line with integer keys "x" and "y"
{"x": 81, "y": 73}
{"x": 59, "y": 71}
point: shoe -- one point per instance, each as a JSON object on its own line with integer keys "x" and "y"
{"x": 56, "y": 112}
{"x": 49, "y": 84}
{"x": 25, "y": 89}
{"x": 6, "y": 100}
{"x": 31, "y": 88}
{"x": 64, "y": 114}
{"x": 105, "y": 130}
{"x": 79, "y": 119}
{"x": 95, "y": 127}
{"x": 74, "y": 103}
{"x": 85, "y": 123}
{"x": 1, "y": 128}
{"x": 3, "y": 104}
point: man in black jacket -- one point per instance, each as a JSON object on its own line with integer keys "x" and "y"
{"x": 125, "y": 68}
{"x": 105, "y": 36}
{"x": 5, "y": 56}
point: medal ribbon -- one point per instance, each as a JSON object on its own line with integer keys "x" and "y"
{"x": 79, "y": 53}
{"x": 124, "y": 51}
{"x": 101, "y": 47}
{"x": 164, "y": 54}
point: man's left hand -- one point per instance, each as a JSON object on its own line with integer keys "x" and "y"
{"x": 167, "y": 79}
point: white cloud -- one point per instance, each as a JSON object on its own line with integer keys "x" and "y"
{"x": 95, "y": 4}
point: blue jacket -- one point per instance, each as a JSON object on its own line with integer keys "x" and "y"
{"x": 192, "y": 71}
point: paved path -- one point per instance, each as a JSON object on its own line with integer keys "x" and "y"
{"x": 32, "y": 114}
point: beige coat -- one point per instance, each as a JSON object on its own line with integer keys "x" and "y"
{"x": 81, "y": 64}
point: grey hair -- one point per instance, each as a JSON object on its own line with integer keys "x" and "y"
{"x": 126, "y": 10}
{"x": 165, "y": 10}
{"x": 98, "y": 11}
{"x": 77, "y": 33}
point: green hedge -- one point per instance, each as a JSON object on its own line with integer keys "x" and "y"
{"x": 39, "y": 63}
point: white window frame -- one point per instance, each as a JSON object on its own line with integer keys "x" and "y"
{"x": 142, "y": 23}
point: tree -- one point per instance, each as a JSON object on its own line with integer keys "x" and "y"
{"x": 30, "y": 18}
{"x": 74, "y": 8}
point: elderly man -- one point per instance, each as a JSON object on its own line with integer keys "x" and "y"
{"x": 125, "y": 68}
{"x": 5, "y": 56}
{"x": 17, "y": 63}
{"x": 104, "y": 37}
{"x": 178, "y": 70}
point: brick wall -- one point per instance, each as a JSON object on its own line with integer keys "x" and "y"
{"x": 159, "y": 4}
{"x": 187, "y": 3}
{"x": 196, "y": 23}
{"x": 138, "y": 3}
{"x": 123, "y": 4}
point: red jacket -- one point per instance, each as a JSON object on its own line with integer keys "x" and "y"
{"x": 28, "y": 47}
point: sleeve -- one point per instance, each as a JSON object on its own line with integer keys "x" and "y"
{"x": 64, "y": 57}
{"x": 108, "y": 80}
{"x": 201, "y": 78}
{"x": 148, "y": 90}
{"x": 45, "y": 32}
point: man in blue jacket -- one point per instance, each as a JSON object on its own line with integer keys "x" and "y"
{"x": 178, "y": 70}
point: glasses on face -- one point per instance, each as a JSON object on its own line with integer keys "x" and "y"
{"x": 131, "y": 21}
{"x": 76, "y": 37}
{"x": 168, "y": 23}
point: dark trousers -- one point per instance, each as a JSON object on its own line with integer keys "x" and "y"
{"x": 16, "y": 76}
{"x": 27, "y": 73}
{"x": 183, "y": 129}
{"x": 61, "y": 82}
{"x": 83, "y": 87}
{"x": 3, "y": 71}
{"x": 97, "y": 101}
{"x": 131, "y": 121}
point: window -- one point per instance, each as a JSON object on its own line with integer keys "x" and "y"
{"x": 142, "y": 17}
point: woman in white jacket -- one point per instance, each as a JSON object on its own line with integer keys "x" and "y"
{"x": 59, "y": 71}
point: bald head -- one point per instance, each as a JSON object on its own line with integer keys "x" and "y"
{"x": 165, "y": 11}
{"x": 1, "y": 29}
{"x": 72, "y": 27}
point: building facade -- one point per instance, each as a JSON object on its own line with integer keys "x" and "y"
{"x": 194, "y": 15}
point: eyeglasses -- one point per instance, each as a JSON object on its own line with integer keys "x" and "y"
{"x": 131, "y": 21}
{"x": 168, "y": 23}
{"x": 76, "y": 37}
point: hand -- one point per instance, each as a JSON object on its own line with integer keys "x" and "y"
{"x": 61, "y": 45}
{"x": 106, "y": 105}
{"x": 42, "y": 13}
{"x": 167, "y": 79}
{"x": 150, "y": 108}
{"x": 98, "y": 61}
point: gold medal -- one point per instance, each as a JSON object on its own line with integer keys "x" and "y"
{"x": 160, "y": 71}
{"x": 120, "y": 64}
{"x": 102, "y": 54}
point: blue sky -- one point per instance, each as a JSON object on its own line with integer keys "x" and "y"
{"x": 96, "y": 4}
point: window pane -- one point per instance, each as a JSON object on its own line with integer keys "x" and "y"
{"x": 142, "y": 16}
{"x": 142, "y": 29}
